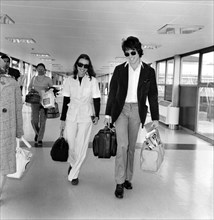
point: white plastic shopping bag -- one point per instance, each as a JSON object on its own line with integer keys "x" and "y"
{"x": 48, "y": 99}
{"x": 23, "y": 157}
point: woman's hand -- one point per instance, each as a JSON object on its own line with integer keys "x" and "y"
{"x": 95, "y": 120}
{"x": 107, "y": 120}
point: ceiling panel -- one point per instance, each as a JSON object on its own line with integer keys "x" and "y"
{"x": 64, "y": 29}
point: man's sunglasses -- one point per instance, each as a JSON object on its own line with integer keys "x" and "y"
{"x": 132, "y": 53}
{"x": 86, "y": 66}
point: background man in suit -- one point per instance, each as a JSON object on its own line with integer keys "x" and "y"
{"x": 131, "y": 84}
{"x": 9, "y": 70}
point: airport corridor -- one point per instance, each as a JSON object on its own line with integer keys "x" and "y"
{"x": 181, "y": 189}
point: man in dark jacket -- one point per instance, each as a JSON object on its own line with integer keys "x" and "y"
{"x": 10, "y": 71}
{"x": 131, "y": 84}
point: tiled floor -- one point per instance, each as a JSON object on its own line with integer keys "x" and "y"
{"x": 182, "y": 189}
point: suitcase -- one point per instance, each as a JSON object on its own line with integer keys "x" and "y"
{"x": 104, "y": 143}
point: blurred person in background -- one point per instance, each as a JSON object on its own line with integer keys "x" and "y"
{"x": 11, "y": 122}
{"x": 40, "y": 83}
{"x": 9, "y": 70}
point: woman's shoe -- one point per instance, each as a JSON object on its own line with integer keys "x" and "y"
{"x": 75, "y": 181}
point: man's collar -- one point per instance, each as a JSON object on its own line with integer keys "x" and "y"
{"x": 126, "y": 63}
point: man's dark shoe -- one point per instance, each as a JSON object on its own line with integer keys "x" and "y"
{"x": 69, "y": 169}
{"x": 119, "y": 191}
{"x": 127, "y": 184}
{"x": 75, "y": 181}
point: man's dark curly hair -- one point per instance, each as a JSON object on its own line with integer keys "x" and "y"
{"x": 132, "y": 43}
{"x": 90, "y": 69}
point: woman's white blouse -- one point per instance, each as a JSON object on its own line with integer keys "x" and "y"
{"x": 80, "y": 108}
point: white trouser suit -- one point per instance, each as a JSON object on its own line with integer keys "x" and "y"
{"x": 78, "y": 119}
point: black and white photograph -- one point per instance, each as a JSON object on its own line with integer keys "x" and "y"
{"x": 106, "y": 109}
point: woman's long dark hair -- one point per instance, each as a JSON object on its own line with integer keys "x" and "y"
{"x": 90, "y": 69}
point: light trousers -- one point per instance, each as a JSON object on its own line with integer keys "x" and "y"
{"x": 127, "y": 127}
{"x": 77, "y": 134}
{"x": 38, "y": 120}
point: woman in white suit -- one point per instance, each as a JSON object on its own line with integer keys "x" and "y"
{"x": 78, "y": 115}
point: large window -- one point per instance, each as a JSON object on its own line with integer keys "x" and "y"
{"x": 169, "y": 72}
{"x": 189, "y": 69}
{"x": 205, "y": 120}
{"x": 161, "y": 72}
{"x": 207, "y": 72}
{"x": 161, "y": 68}
{"x": 165, "y": 73}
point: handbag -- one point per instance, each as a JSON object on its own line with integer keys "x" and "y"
{"x": 53, "y": 112}
{"x": 152, "y": 152}
{"x": 23, "y": 158}
{"x": 59, "y": 150}
{"x": 33, "y": 96}
{"x": 105, "y": 143}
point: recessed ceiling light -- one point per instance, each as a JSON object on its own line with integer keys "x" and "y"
{"x": 179, "y": 29}
{"x": 5, "y": 19}
{"x": 41, "y": 54}
{"x": 21, "y": 40}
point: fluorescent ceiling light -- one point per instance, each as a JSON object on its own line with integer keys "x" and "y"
{"x": 41, "y": 54}
{"x": 5, "y": 19}
{"x": 21, "y": 40}
{"x": 46, "y": 59}
{"x": 179, "y": 29}
{"x": 150, "y": 46}
{"x": 56, "y": 65}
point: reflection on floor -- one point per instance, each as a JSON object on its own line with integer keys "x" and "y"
{"x": 182, "y": 189}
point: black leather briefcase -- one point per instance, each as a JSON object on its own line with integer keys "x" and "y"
{"x": 104, "y": 143}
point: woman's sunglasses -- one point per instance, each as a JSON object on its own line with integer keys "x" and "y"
{"x": 132, "y": 53}
{"x": 86, "y": 66}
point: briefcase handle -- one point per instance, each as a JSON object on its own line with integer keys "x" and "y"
{"x": 109, "y": 127}
{"x": 61, "y": 132}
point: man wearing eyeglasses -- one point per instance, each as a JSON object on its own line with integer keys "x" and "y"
{"x": 131, "y": 84}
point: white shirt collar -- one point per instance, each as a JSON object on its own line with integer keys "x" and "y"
{"x": 126, "y": 63}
